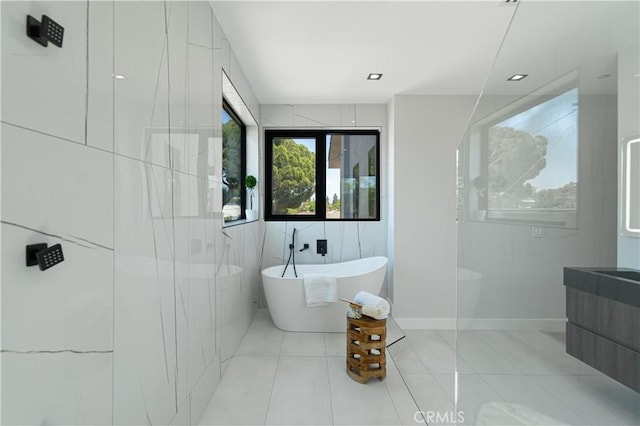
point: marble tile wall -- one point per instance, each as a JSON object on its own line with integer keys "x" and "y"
{"x": 345, "y": 240}
{"x": 138, "y": 323}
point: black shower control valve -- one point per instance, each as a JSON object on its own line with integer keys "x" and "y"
{"x": 321, "y": 247}
{"x": 52, "y": 31}
{"x": 43, "y": 256}
{"x": 46, "y": 31}
{"x": 32, "y": 250}
{"x": 33, "y": 31}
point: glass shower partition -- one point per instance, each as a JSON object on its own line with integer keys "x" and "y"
{"x": 542, "y": 179}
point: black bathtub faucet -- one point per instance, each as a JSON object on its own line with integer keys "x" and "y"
{"x": 292, "y": 255}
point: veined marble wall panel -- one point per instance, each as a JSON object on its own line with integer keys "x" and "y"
{"x": 370, "y": 115}
{"x": 216, "y": 33}
{"x": 100, "y": 75}
{"x": 154, "y": 292}
{"x": 228, "y": 285}
{"x": 69, "y": 307}
{"x": 201, "y": 152}
{"x": 57, "y": 340}
{"x": 195, "y": 283}
{"x": 235, "y": 265}
{"x": 145, "y": 367}
{"x": 200, "y": 24}
{"x": 45, "y": 88}
{"x": 182, "y": 198}
{"x": 66, "y": 308}
{"x": 348, "y": 115}
{"x": 324, "y": 115}
{"x": 277, "y": 115}
{"x": 234, "y": 286}
{"x": 142, "y": 98}
{"x": 202, "y": 311}
{"x": 199, "y": 265}
{"x": 276, "y": 251}
{"x": 183, "y": 417}
{"x": 316, "y": 115}
{"x": 226, "y": 54}
{"x": 56, "y": 388}
{"x": 45, "y": 188}
{"x": 177, "y": 32}
{"x": 185, "y": 192}
{"x": 251, "y": 260}
{"x": 345, "y": 241}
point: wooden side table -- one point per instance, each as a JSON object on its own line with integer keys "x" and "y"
{"x": 366, "y": 344}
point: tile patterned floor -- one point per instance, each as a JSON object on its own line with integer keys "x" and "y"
{"x": 503, "y": 368}
{"x": 281, "y": 378}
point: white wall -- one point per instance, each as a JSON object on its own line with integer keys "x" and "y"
{"x": 345, "y": 240}
{"x": 628, "y": 127}
{"x": 135, "y": 326}
{"x": 426, "y": 133}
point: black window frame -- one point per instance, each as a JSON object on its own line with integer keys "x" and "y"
{"x": 226, "y": 106}
{"x": 320, "y": 138}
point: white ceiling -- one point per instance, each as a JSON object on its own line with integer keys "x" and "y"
{"x": 321, "y": 51}
{"x": 550, "y": 39}
{"x": 315, "y": 52}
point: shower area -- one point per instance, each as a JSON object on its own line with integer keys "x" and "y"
{"x": 548, "y": 297}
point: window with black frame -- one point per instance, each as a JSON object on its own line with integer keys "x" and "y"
{"x": 233, "y": 165}
{"x": 322, "y": 175}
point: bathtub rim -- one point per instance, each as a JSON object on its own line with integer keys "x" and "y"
{"x": 266, "y": 272}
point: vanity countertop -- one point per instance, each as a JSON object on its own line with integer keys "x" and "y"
{"x": 619, "y": 284}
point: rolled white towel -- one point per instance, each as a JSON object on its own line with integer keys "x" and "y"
{"x": 372, "y": 305}
{"x": 373, "y": 312}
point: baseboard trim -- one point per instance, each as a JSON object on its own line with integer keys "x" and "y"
{"x": 552, "y": 325}
{"x": 426, "y": 323}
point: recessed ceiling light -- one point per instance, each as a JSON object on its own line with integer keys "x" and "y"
{"x": 119, "y": 76}
{"x": 517, "y": 77}
{"x": 374, "y": 76}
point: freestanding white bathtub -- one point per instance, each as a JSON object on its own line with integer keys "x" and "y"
{"x": 287, "y": 302}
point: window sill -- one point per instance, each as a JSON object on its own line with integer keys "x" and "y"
{"x": 549, "y": 218}
{"x": 239, "y": 222}
{"x": 317, "y": 219}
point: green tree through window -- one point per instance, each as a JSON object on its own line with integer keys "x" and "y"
{"x": 294, "y": 175}
{"x": 233, "y": 164}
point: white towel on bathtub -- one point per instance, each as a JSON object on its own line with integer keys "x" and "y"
{"x": 320, "y": 289}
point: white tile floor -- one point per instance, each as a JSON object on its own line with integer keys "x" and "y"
{"x": 528, "y": 368}
{"x": 280, "y": 378}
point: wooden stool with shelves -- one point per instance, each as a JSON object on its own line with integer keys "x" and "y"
{"x": 366, "y": 344}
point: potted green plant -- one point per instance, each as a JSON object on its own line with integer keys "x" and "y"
{"x": 250, "y": 183}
